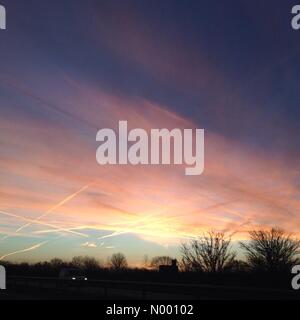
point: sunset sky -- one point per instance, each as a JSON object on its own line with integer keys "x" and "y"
{"x": 69, "y": 68}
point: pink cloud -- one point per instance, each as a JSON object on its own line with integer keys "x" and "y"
{"x": 241, "y": 188}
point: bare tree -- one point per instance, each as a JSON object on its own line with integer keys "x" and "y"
{"x": 209, "y": 253}
{"x": 146, "y": 261}
{"x": 118, "y": 262}
{"x": 271, "y": 250}
{"x": 56, "y": 263}
{"x": 88, "y": 263}
{"x": 160, "y": 260}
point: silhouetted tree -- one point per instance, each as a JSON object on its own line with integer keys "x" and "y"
{"x": 57, "y": 263}
{"x": 209, "y": 253}
{"x": 87, "y": 263}
{"x": 160, "y": 260}
{"x": 271, "y": 250}
{"x": 118, "y": 262}
{"x": 237, "y": 266}
{"x": 146, "y": 261}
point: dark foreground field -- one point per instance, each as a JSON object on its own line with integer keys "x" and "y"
{"x": 37, "y": 288}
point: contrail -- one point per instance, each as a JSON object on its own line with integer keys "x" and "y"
{"x": 114, "y": 234}
{"x": 31, "y": 221}
{"x": 127, "y": 230}
{"x": 36, "y": 246}
{"x": 68, "y": 198}
{"x": 60, "y": 230}
{"x": 62, "y": 202}
{"x": 45, "y": 104}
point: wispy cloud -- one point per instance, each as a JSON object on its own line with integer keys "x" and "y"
{"x": 18, "y": 217}
{"x": 89, "y": 245}
{"x": 36, "y": 246}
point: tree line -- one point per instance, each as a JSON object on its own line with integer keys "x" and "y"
{"x": 269, "y": 251}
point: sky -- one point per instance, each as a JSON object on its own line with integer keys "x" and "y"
{"x": 69, "y": 68}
